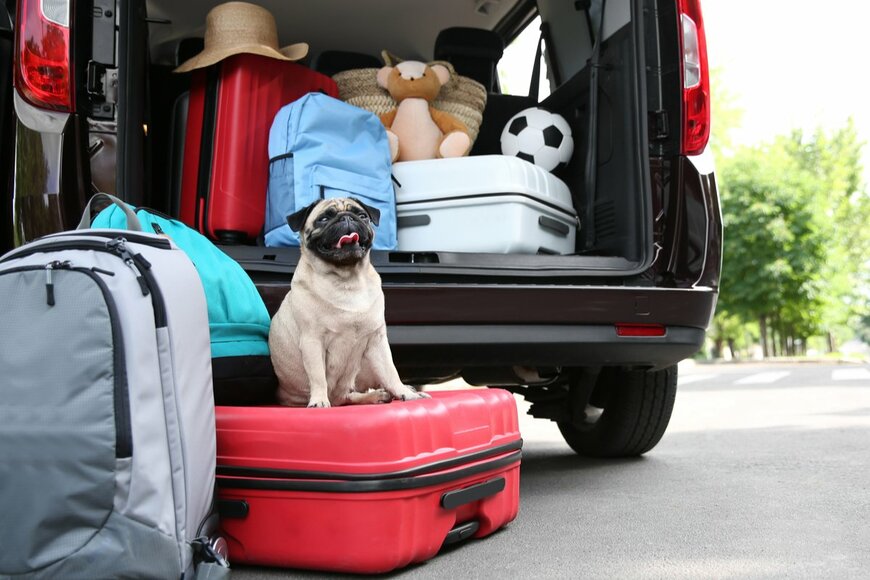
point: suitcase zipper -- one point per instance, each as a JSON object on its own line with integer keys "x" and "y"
{"x": 121, "y": 388}
{"x": 370, "y": 485}
{"x": 435, "y": 473}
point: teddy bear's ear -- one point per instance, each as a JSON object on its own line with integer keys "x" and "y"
{"x": 384, "y": 76}
{"x": 442, "y": 73}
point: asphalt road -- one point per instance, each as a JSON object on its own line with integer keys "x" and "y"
{"x": 764, "y": 473}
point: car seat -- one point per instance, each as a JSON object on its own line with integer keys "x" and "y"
{"x": 330, "y": 62}
{"x": 475, "y": 52}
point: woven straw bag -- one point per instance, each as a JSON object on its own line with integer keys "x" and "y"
{"x": 462, "y": 97}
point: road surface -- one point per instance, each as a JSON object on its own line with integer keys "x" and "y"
{"x": 764, "y": 473}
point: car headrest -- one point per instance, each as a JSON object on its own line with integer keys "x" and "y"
{"x": 473, "y": 52}
{"x": 330, "y": 62}
{"x": 186, "y": 49}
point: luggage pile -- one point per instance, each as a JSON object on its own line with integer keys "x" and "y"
{"x": 117, "y": 463}
{"x": 263, "y": 137}
{"x": 115, "y": 459}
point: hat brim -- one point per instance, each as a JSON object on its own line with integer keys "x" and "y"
{"x": 209, "y": 57}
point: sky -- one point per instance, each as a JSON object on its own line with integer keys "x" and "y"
{"x": 792, "y": 64}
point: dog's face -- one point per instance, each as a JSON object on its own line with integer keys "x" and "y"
{"x": 339, "y": 231}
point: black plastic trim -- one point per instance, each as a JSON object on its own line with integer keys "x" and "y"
{"x": 412, "y": 221}
{"x": 497, "y": 345}
{"x": 461, "y": 532}
{"x": 392, "y": 484}
{"x": 435, "y": 466}
{"x": 236, "y": 509}
{"x": 131, "y": 178}
{"x": 453, "y": 499}
{"x": 206, "y": 147}
{"x": 280, "y": 157}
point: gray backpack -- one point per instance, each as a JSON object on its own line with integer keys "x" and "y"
{"x": 107, "y": 429}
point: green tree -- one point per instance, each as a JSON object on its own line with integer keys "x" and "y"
{"x": 796, "y": 242}
{"x": 833, "y": 158}
{"x": 774, "y": 246}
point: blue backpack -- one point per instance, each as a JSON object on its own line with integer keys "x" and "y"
{"x": 237, "y": 316}
{"x": 320, "y": 147}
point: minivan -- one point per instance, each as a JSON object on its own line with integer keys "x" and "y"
{"x": 591, "y": 338}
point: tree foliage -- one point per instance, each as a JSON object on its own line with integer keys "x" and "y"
{"x": 796, "y": 240}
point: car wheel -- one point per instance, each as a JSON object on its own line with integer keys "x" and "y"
{"x": 626, "y": 414}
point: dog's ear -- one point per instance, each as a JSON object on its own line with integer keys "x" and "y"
{"x": 374, "y": 213}
{"x": 296, "y": 221}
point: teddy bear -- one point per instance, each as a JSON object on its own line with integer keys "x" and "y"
{"x": 415, "y": 129}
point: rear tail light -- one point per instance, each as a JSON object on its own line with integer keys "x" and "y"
{"x": 641, "y": 330}
{"x": 43, "y": 66}
{"x": 696, "y": 78}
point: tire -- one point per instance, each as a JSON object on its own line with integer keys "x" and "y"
{"x": 627, "y": 413}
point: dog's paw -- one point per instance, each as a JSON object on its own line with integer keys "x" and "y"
{"x": 414, "y": 395}
{"x": 318, "y": 404}
{"x": 382, "y": 396}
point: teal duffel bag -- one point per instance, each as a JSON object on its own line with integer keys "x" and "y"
{"x": 237, "y": 317}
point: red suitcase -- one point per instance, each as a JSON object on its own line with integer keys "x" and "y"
{"x": 366, "y": 488}
{"x": 225, "y": 169}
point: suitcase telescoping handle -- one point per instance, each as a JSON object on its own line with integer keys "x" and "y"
{"x": 133, "y": 222}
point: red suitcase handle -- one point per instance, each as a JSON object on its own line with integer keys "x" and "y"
{"x": 454, "y": 499}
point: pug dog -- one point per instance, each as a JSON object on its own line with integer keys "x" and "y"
{"x": 328, "y": 339}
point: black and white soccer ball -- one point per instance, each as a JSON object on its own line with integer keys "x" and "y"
{"x": 539, "y": 136}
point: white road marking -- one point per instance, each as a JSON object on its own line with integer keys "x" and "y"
{"x": 850, "y": 374}
{"x": 762, "y": 378}
{"x": 686, "y": 379}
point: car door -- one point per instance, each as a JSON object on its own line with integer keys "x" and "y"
{"x": 7, "y": 7}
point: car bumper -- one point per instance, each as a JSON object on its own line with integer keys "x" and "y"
{"x": 450, "y": 326}
{"x": 536, "y": 345}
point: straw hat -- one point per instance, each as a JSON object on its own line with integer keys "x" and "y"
{"x": 239, "y": 27}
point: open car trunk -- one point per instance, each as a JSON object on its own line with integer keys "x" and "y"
{"x": 600, "y": 88}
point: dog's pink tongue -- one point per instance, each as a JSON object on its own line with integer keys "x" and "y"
{"x": 351, "y": 238}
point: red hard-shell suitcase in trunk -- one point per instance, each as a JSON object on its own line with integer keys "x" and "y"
{"x": 225, "y": 169}
{"x": 366, "y": 488}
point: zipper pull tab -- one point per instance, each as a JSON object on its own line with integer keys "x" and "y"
{"x": 142, "y": 284}
{"x": 119, "y": 247}
{"x": 49, "y": 285}
{"x": 49, "y": 282}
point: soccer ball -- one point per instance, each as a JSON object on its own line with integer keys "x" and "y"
{"x": 539, "y": 136}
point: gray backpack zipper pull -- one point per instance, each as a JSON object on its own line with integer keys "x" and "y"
{"x": 119, "y": 247}
{"x": 49, "y": 283}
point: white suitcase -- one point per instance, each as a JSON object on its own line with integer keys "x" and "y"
{"x": 488, "y": 203}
